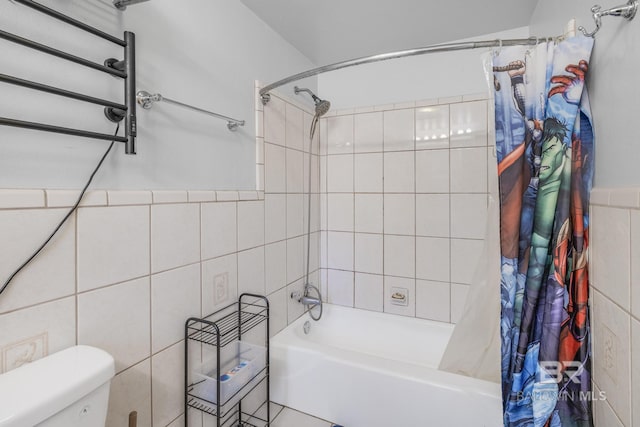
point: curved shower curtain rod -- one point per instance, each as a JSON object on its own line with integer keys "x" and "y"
{"x": 627, "y": 11}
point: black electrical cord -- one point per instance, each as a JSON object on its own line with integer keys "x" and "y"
{"x": 66, "y": 217}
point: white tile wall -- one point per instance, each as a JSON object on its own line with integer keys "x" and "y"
{"x": 110, "y": 237}
{"x": 368, "y": 173}
{"x": 341, "y": 288}
{"x": 340, "y": 135}
{"x": 175, "y": 235}
{"x": 369, "y": 253}
{"x": 219, "y": 224}
{"x": 615, "y": 325}
{"x": 369, "y": 291}
{"x": 174, "y": 294}
{"x": 117, "y": 319}
{"x": 129, "y": 267}
{"x": 399, "y": 130}
{"x": 368, "y": 132}
{"x": 399, "y": 176}
{"x": 51, "y": 275}
{"x": 416, "y": 187}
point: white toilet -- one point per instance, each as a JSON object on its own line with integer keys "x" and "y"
{"x": 66, "y": 389}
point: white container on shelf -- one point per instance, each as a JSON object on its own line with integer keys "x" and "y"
{"x": 236, "y": 372}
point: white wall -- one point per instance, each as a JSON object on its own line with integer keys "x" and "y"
{"x": 407, "y": 79}
{"x": 613, "y": 88}
{"x": 204, "y": 52}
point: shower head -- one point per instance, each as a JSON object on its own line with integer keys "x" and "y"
{"x": 322, "y": 105}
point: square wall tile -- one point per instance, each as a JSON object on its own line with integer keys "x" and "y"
{"x": 465, "y": 254}
{"x": 340, "y": 212}
{"x": 368, "y": 132}
{"x": 369, "y": 253}
{"x": 275, "y": 217}
{"x": 130, "y": 391}
{"x": 368, "y": 213}
{"x": 340, "y": 250}
{"x": 218, "y": 229}
{"x": 602, "y": 412}
{"x": 295, "y": 215}
{"x": 49, "y": 276}
{"x": 108, "y": 237}
{"x": 432, "y": 127}
{"x": 275, "y": 266}
{"x": 295, "y": 167}
{"x": 399, "y": 214}
{"x": 468, "y": 215}
{"x": 175, "y": 296}
{"x": 469, "y": 170}
{"x": 295, "y": 258}
{"x": 341, "y": 285}
{"x": 340, "y": 134}
{"x": 469, "y": 124}
{"x": 51, "y": 326}
{"x": 274, "y": 121}
{"x": 251, "y": 271}
{"x": 635, "y": 266}
{"x": 219, "y": 283}
{"x": 124, "y": 308}
{"x": 611, "y": 349}
{"x": 368, "y": 173}
{"x": 610, "y": 242}
{"x": 635, "y": 371}
{"x": 295, "y": 136}
{"x": 433, "y": 300}
{"x": 459, "y": 294}
{"x": 175, "y": 236}
{"x": 399, "y": 176}
{"x": 432, "y": 171}
{"x": 275, "y": 176}
{"x": 278, "y": 311}
{"x": 432, "y": 258}
{"x": 403, "y": 283}
{"x": 167, "y": 384}
{"x": 399, "y": 129}
{"x": 250, "y": 224}
{"x": 432, "y": 215}
{"x": 400, "y": 254}
{"x": 340, "y": 174}
{"x": 369, "y": 292}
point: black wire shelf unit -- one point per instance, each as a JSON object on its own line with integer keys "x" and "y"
{"x": 124, "y": 69}
{"x": 216, "y": 335}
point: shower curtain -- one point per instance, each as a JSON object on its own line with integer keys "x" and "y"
{"x": 545, "y": 149}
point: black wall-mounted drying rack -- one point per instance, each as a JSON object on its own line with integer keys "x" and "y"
{"x": 124, "y": 69}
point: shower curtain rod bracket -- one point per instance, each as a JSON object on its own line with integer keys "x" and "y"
{"x": 627, "y": 11}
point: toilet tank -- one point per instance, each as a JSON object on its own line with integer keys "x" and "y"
{"x": 69, "y": 388}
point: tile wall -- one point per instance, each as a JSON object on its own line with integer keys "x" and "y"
{"x": 130, "y": 267}
{"x": 615, "y": 305}
{"x": 404, "y": 200}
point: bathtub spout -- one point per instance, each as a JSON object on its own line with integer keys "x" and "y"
{"x": 310, "y": 301}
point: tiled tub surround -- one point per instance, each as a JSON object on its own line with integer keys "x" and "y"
{"x": 130, "y": 267}
{"x": 404, "y": 201}
{"x": 615, "y": 305}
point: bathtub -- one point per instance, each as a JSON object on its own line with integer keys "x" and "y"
{"x": 365, "y": 369}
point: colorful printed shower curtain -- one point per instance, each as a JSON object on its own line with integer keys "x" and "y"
{"x": 545, "y": 150}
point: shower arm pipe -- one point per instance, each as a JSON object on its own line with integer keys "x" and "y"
{"x": 448, "y": 47}
{"x": 146, "y": 100}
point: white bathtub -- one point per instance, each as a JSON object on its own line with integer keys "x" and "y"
{"x": 365, "y": 369}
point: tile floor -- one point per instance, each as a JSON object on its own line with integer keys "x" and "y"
{"x": 287, "y": 417}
